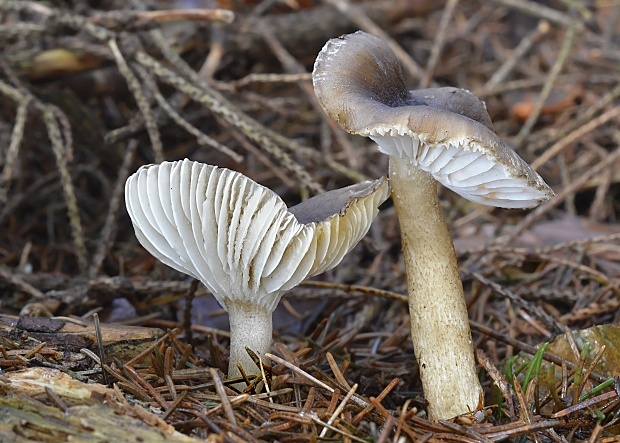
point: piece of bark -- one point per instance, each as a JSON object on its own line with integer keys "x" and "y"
{"x": 97, "y": 417}
{"x": 120, "y": 341}
{"x": 34, "y": 381}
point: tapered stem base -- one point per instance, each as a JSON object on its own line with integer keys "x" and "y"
{"x": 439, "y": 320}
{"x": 251, "y": 327}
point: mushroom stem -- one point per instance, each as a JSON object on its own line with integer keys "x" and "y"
{"x": 251, "y": 327}
{"x": 439, "y": 321}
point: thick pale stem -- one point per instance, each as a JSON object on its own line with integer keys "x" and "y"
{"x": 251, "y": 327}
{"x": 439, "y": 321}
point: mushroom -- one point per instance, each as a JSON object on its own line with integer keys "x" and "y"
{"x": 434, "y": 135}
{"x": 240, "y": 240}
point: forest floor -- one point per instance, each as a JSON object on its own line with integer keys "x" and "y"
{"x": 90, "y": 91}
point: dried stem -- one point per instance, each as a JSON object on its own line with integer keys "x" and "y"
{"x": 67, "y": 187}
{"x": 438, "y": 44}
{"x": 13, "y": 151}
{"x": 556, "y": 69}
{"x": 109, "y": 226}
{"x": 141, "y": 101}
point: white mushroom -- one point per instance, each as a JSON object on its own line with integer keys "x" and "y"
{"x": 240, "y": 240}
{"x": 434, "y": 135}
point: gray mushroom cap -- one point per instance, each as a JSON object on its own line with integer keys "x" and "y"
{"x": 445, "y": 132}
{"x": 455, "y": 100}
{"x": 237, "y": 236}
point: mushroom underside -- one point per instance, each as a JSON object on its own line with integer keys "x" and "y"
{"x": 241, "y": 241}
{"x": 468, "y": 170}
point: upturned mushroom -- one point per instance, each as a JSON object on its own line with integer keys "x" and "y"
{"x": 240, "y": 240}
{"x": 434, "y": 135}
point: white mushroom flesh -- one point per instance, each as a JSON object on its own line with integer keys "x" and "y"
{"x": 235, "y": 235}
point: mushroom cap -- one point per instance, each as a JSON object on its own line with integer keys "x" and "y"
{"x": 237, "y": 236}
{"x": 446, "y": 132}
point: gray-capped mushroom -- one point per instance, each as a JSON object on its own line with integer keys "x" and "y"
{"x": 433, "y": 135}
{"x": 240, "y": 240}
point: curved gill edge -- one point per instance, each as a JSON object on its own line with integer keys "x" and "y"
{"x": 243, "y": 231}
{"x": 148, "y": 233}
{"x": 338, "y": 234}
{"x": 233, "y": 234}
{"x": 470, "y": 170}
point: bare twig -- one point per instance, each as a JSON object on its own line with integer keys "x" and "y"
{"x": 100, "y": 347}
{"x": 532, "y": 350}
{"x": 538, "y": 10}
{"x": 549, "y": 321}
{"x": 294, "y": 67}
{"x": 339, "y": 409}
{"x": 16, "y": 140}
{"x": 335, "y": 429}
{"x": 610, "y": 161}
{"x": 221, "y": 391}
{"x": 517, "y": 54}
{"x": 584, "y": 118}
{"x": 611, "y": 395}
{"x": 20, "y": 284}
{"x": 271, "y": 78}
{"x": 109, "y": 226}
{"x": 226, "y": 110}
{"x": 360, "y": 416}
{"x": 299, "y": 371}
{"x": 67, "y": 186}
{"x": 557, "y": 67}
{"x": 438, "y": 43}
{"x": 578, "y": 133}
{"x": 498, "y": 379}
{"x": 201, "y": 137}
{"x": 224, "y": 16}
{"x": 141, "y": 101}
{"x": 267, "y": 139}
